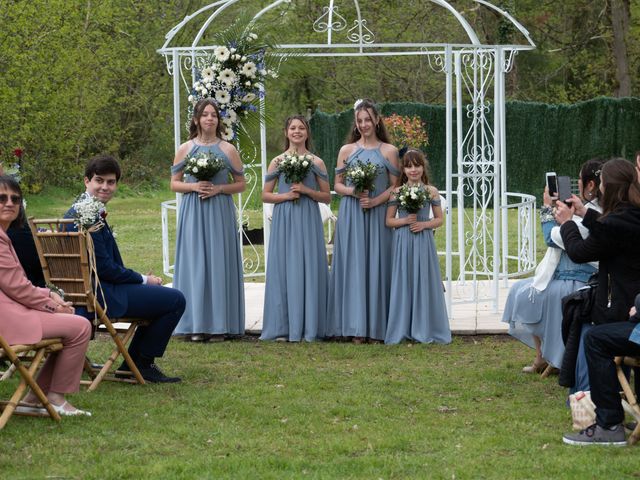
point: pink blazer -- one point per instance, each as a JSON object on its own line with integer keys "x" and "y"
{"x": 19, "y": 322}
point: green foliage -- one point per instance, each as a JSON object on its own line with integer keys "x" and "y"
{"x": 79, "y": 78}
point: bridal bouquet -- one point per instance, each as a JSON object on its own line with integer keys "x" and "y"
{"x": 362, "y": 175}
{"x": 203, "y": 166}
{"x": 412, "y": 198}
{"x": 295, "y": 167}
{"x": 89, "y": 212}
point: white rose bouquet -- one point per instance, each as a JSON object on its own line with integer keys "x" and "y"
{"x": 362, "y": 175}
{"x": 295, "y": 167}
{"x": 89, "y": 212}
{"x": 412, "y": 198}
{"x": 203, "y": 166}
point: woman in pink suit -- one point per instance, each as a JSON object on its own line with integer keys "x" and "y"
{"x": 30, "y": 314}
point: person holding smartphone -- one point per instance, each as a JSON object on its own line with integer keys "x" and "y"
{"x": 534, "y": 307}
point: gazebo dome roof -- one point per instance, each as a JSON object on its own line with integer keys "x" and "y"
{"x": 331, "y": 23}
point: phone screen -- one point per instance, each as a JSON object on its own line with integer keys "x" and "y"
{"x": 564, "y": 188}
{"x": 552, "y": 185}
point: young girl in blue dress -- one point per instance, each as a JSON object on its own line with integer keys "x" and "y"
{"x": 417, "y": 310}
{"x": 295, "y": 300}
{"x": 208, "y": 267}
{"x": 360, "y": 276}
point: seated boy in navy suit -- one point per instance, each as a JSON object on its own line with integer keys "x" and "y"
{"x": 129, "y": 293}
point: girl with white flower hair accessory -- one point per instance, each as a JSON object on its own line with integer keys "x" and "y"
{"x": 295, "y": 300}
{"x": 361, "y": 268}
{"x": 208, "y": 266}
{"x": 417, "y": 310}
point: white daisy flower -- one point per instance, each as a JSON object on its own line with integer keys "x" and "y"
{"x": 227, "y": 77}
{"x": 222, "y": 97}
{"x": 228, "y": 134}
{"x": 249, "y": 69}
{"x": 263, "y": 72}
{"x": 305, "y": 163}
{"x": 194, "y": 169}
{"x": 231, "y": 115}
{"x": 227, "y": 122}
{"x": 208, "y": 74}
{"x": 222, "y": 53}
{"x": 249, "y": 97}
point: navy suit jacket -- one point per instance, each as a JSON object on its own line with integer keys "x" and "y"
{"x": 114, "y": 277}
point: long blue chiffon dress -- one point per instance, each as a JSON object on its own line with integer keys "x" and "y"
{"x": 417, "y": 309}
{"x": 208, "y": 267}
{"x": 360, "y": 276}
{"x": 295, "y": 298}
{"x": 531, "y": 312}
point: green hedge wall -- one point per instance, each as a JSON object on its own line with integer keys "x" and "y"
{"x": 540, "y": 137}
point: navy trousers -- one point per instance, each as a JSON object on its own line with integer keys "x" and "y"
{"x": 163, "y": 306}
{"x": 602, "y": 344}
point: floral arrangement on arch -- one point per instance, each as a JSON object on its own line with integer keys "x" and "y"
{"x": 406, "y": 131}
{"x": 232, "y": 75}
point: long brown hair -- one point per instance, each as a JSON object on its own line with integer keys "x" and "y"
{"x": 418, "y": 159}
{"x": 369, "y": 107}
{"x": 305, "y": 122}
{"x": 198, "y": 110}
{"x": 620, "y": 181}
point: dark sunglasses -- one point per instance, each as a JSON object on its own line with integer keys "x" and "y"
{"x": 15, "y": 199}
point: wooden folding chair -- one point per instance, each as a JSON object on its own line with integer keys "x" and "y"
{"x": 65, "y": 263}
{"x": 629, "y": 400}
{"x": 20, "y": 356}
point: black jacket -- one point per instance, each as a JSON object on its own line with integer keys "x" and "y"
{"x": 614, "y": 241}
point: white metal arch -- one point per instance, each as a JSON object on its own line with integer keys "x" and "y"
{"x": 475, "y": 173}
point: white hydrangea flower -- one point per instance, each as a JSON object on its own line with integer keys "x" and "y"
{"x": 222, "y": 53}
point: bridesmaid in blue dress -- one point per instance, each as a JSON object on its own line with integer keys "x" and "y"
{"x": 417, "y": 310}
{"x": 208, "y": 266}
{"x": 361, "y": 268}
{"x": 295, "y": 300}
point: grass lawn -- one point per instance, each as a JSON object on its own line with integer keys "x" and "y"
{"x": 248, "y": 409}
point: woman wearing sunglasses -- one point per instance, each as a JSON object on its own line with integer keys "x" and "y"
{"x": 30, "y": 314}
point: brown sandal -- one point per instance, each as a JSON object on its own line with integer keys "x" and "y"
{"x": 535, "y": 367}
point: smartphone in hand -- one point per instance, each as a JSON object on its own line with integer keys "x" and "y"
{"x": 564, "y": 188}
{"x": 552, "y": 183}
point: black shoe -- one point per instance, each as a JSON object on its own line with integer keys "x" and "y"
{"x": 154, "y": 375}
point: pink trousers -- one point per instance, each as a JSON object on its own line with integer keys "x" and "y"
{"x": 62, "y": 370}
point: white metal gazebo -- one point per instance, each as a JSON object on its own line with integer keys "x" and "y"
{"x": 474, "y": 76}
